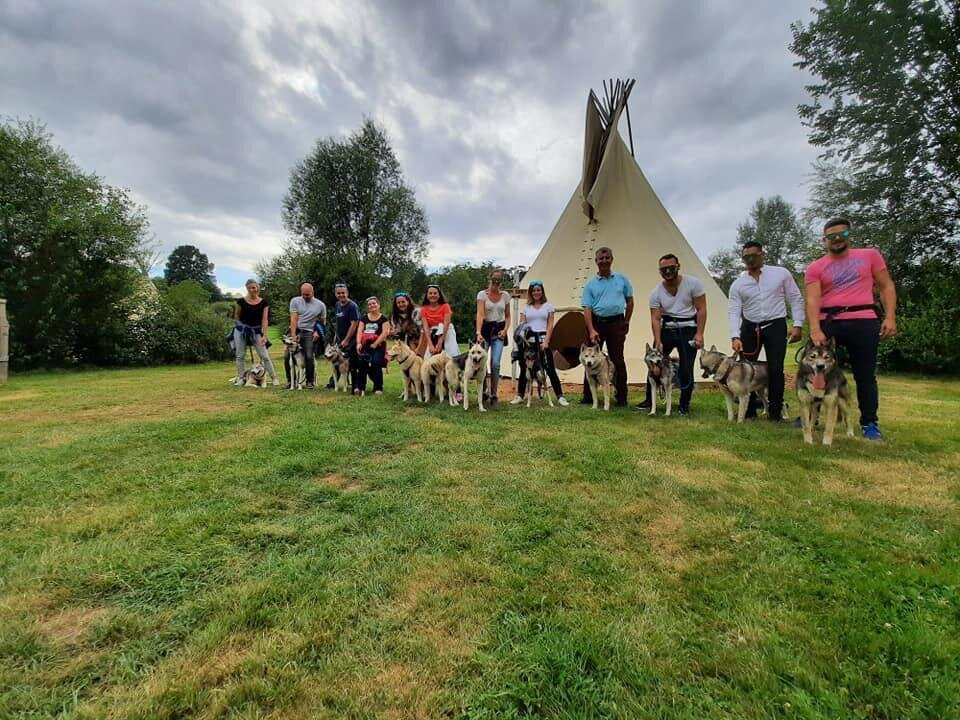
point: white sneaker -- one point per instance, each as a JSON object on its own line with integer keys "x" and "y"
{"x": 238, "y": 382}
{"x": 276, "y": 381}
{"x": 517, "y": 400}
{"x": 562, "y": 401}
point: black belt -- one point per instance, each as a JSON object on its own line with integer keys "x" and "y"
{"x": 764, "y": 323}
{"x": 833, "y": 310}
{"x": 664, "y": 319}
{"x": 609, "y": 319}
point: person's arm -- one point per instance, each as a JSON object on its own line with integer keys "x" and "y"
{"x": 656, "y": 315}
{"x": 506, "y": 319}
{"x": 700, "y": 304}
{"x": 351, "y": 331}
{"x": 734, "y": 310}
{"x": 294, "y": 315}
{"x": 478, "y": 321}
{"x": 629, "y": 312}
{"x": 813, "y": 313}
{"x": 592, "y": 335}
{"x": 888, "y": 296}
{"x": 795, "y": 298}
{"x": 236, "y": 310}
{"x": 447, "y": 316}
{"x": 382, "y": 337}
{"x": 265, "y": 323}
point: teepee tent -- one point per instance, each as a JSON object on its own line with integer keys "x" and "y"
{"x": 614, "y": 206}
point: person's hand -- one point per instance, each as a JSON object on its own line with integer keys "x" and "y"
{"x": 796, "y": 332}
{"x": 502, "y": 334}
{"x": 626, "y": 328}
{"x": 263, "y": 340}
{"x": 736, "y": 345}
{"x": 658, "y": 345}
{"x": 888, "y": 328}
{"x": 316, "y": 335}
{"x": 818, "y": 338}
{"x": 479, "y": 337}
{"x": 344, "y": 344}
{"x": 698, "y": 340}
{"x": 594, "y": 337}
{"x": 544, "y": 345}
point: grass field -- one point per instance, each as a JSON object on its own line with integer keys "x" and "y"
{"x": 175, "y": 547}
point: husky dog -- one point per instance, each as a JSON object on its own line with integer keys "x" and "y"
{"x": 475, "y": 368}
{"x": 737, "y": 378}
{"x": 453, "y": 377}
{"x": 256, "y": 376}
{"x": 661, "y": 374}
{"x": 294, "y": 361}
{"x": 410, "y": 364}
{"x": 823, "y": 391}
{"x": 341, "y": 366}
{"x": 432, "y": 371}
{"x": 532, "y": 364}
{"x": 599, "y": 370}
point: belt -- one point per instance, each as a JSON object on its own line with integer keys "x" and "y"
{"x": 664, "y": 319}
{"x": 764, "y": 323}
{"x": 608, "y": 319}
{"x": 833, "y": 310}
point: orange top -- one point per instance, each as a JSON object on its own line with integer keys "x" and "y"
{"x": 434, "y": 316}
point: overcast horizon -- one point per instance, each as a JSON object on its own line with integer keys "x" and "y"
{"x": 202, "y": 109}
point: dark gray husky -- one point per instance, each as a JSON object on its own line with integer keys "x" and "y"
{"x": 823, "y": 391}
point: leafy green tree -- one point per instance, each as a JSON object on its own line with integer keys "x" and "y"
{"x": 884, "y": 107}
{"x": 70, "y": 246}
{"x": 774, "y": 223}
{"x": 186, "y": 262}
{"x": 349, "y": 197}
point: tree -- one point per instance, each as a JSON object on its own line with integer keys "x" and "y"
{"x": 186, "y": 262}
{"x": 70, "y": 246}
{"x": 349, "y": 197}
{"x": 884, "y": 108}
{"x": 786, "y": 241}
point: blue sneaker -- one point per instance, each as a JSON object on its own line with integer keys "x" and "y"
{"x": 872, "y": 432}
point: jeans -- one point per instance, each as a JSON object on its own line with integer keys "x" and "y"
{"x": 860, "y": 338}
{"x": 306, "y": 344}
{"x": 678, "y": 338}
{"x": 241, "y": 347}
{"x": 496, "y": 351}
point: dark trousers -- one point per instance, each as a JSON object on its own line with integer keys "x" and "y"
{"x": 369, "y": 366}
{"x": 306, "y": 344}
{"x": 860, "y": 338}
{"x": 547, "y": 359}
{"x": 772, "y": 337}
{"x": 678, "y": 338}
{"x": 614, "y": 334}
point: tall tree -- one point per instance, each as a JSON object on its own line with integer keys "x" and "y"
{"x": 186, "y": 262}
{"x": 884, "y": 108}
{"x": 70, "y": 246}
{"x": 774, "y": 223}
{"x": 349, "y": 197}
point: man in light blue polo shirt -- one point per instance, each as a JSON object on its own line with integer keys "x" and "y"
{"x": 607, "y": 307}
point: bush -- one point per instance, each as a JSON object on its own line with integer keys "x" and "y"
{"x": 180, "y": 326}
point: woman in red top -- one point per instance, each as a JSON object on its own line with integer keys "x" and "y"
{"x": 439, "y": 334}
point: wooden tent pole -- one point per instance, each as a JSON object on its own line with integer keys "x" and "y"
{"x": 4, "y": 341}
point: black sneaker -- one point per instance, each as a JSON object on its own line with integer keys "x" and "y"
{"x": 683, "y": 412}
{"x": 309, "y": 386}
{"x": 586, "y": 401}
{"x": 331, "y": 384}
{"x": 492, "y": 400}
{"x": 642, "y": 406}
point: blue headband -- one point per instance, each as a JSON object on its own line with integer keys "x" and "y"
{"x": 401, "y": 293}
{"x": 340, "y": 285}
{"x": 535, "y": 282}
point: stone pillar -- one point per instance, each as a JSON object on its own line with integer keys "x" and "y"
{"x": 4, "y": 341}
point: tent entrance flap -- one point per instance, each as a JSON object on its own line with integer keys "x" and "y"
{"x": 569, "y": 333}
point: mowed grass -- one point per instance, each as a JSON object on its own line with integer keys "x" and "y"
{"x": 174, "y": 547}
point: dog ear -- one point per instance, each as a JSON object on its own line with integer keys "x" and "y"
{"x": 713, "y": 348}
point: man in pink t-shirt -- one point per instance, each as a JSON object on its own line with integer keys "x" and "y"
{"x": 841, "y": 305}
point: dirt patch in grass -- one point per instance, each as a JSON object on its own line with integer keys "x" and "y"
{"x": 713, "y": 456}
{"x": 18, "y": 395}
{"x": 892, "y": 483}
{"x": 68, "y": 626}
{"x": 339, "y": 482}
{"x": 663, "y": 533}
{"x": 177, "y": 406}
{"x": 243, "y": 439}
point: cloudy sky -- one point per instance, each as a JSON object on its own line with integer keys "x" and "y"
{"x": 201, "y": 108}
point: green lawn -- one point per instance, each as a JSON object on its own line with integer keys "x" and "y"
{"x": 174, "y": 547}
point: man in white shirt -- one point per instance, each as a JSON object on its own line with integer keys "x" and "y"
{"x": 757, "y": 311}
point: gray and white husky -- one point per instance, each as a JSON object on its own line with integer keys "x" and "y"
{"x": 737, "y": 378}
{"x": 295, "y": 362}
{"x": 599, "y": 369}
{"x": 661, "y": 374}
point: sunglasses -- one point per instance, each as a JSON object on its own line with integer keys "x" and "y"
{"x": 496, "y": 280}
{"x": 669, "y": 269}
{"x": 751, "y": 257}
{"x": 837, "y": 235}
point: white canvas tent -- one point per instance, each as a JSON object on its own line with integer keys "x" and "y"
{"x": 614, "y": 206}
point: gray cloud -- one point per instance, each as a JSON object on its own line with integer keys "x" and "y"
{"x": 202, "y": 108}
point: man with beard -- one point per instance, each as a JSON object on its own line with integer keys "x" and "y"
{"x": 840, "y": 304}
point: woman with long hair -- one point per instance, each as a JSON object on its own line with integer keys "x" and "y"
{"x": 438, "y": 332}
{"x": 492, "y": 321}
{"x": 251, "y": 316}
{"x": 538, "y": 316}
{"x": 405, "y": 319}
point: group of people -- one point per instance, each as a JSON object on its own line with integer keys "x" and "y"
{"x": 840, "y": 304}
